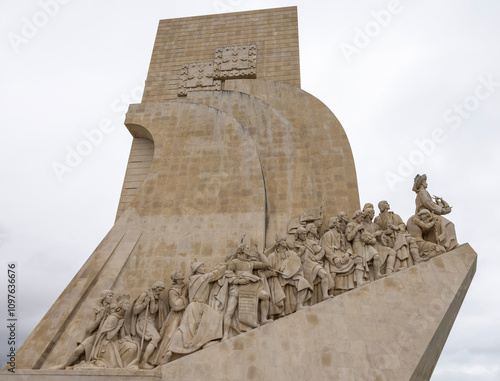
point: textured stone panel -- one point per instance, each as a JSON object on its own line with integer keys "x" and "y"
{"x": 298, "y": 173}
{"x": 324, "y": 151}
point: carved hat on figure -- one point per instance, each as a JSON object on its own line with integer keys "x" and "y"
{"x": 158, "y": 285}
{"x": 280, "y": 237}
{"x": 195, "y": 265}
{"x": 417, "y": 182}
{"x": 176, "y": 275}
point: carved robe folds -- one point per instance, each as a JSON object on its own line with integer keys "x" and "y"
{"x": 285, "y": 285}
{"x": 339, "y": 260}
{"x": 113, "y": 346}
{"x": 200, "y": 323}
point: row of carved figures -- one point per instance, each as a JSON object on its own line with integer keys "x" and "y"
{"x": 254, "y": 288}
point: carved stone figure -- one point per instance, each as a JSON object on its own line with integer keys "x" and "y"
{"x": 101, "y": 310}
{"x": 177, "y": 303}
{"x": 311, "y": 255}
{"x": 343, "y": 221}
{"x": 339, "y": 258}
{"x": 114, "y": 347}
{"x": 363, "y": 246}
{"x": 288, "y": 288}
{"x": 397, "y": 237}
{"x": 444, "y": 234}
{"x": 200, "y": 323}
{"x": 148, "y": 312}
{"x": 387, "y": 254}
{"x": 245, "y": 291}
{"x": 421, "y": 225}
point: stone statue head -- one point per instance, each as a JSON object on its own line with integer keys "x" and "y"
{"x": 197, "y": 266}
{"x": 367, "y": 206}
{"x": 369, "y": 211}
{"x": 358, "y": 216}
{"x": 383, "y": 206}
{"x": 176, "y": 276}
{"x": 419, "y": 181}
{"x": 106, "y": 296}
{"x": 281, "y": 239}
{"x": 301, "y": 233}
{"x": 332, "y": 222}
{"x": 312, "y": 230}
{"x": 123, "y": 302}
{"x": 424, "y": 215}
{"x": 243, "y": 251}
{"x": 342, "y": 216}
{"x": 158, "y": 286}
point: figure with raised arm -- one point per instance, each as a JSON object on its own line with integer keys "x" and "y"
{"x": 200, "y": 324}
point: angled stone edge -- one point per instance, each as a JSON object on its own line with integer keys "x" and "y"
{"x": 392, "y": 329}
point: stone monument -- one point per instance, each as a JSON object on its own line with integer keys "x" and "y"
{"x": 221, "y": 265}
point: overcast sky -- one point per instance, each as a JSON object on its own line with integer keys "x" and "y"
{"x": 415, "y": 84}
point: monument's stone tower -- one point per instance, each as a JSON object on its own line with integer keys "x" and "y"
{"x": 226, "y": 144}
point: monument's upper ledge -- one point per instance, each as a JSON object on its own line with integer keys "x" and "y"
{"x": 203, "y": 52}
{"x": 236, "y": 15}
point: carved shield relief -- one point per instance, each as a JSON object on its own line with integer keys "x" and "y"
{"x": 198, "y": 76}
{"x": 235, "y": 61}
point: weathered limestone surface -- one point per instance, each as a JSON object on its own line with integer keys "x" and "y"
{"x": 392, "y": 329}
{"x": 304, "y": 155}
